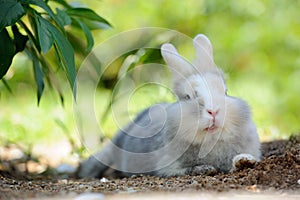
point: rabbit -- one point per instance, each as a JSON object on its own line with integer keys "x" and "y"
{"x": 204, "y": 132}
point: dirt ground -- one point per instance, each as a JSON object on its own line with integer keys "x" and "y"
{"x": 276, "y": 176}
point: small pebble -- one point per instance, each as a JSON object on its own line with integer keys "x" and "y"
{"x": 90, "y": 196}
{"x": 103, "y": 180}
{"x": 298, "y": 181}
{"x": 65, "y": 169}
{"x": 252, "y": 188}
{"x": 63, "y": 181}
{"x": 85, "y": 187}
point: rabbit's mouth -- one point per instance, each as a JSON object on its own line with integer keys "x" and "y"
{"x": 211, "y": 128}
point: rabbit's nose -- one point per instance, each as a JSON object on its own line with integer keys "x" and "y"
{"x": 212, "y": 112}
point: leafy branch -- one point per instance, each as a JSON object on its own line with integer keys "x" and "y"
{"x": 44, "y": 31}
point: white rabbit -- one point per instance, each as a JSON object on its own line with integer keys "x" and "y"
{"x": 204, "y": 132}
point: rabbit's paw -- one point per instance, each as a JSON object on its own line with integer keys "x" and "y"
{"x": 243, "y": 161}
{"x": 202, "y": 170}
{"x": 88, "y": 168}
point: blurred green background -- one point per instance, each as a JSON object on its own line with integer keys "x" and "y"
{"x": 256, "y": 43}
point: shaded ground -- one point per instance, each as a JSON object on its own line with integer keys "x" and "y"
{"x": 279, "y": 171}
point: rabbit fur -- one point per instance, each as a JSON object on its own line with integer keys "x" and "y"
{"x": 205, "y": 131}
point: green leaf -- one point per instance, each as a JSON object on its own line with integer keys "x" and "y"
{"x": 7, "y": 52}
{"x": 63, "y": 17}
{"x": 6, "y": 85}
{"x": 87, "y": 14}
{"x": 45, "y": 36}
{"x": 64, "y": 50}
{"x": 66, "y": 56}
{"x": 88, "y": 34}
{"x": 38, "y": 76}
{"x": 43, "y": 5}
{"x": 34, "y": 25}
{"x": 63, "y": 3}
{"x": 19, "y": 39}
{"x": 94, "y": 25}
{"x": 10, "y": 12}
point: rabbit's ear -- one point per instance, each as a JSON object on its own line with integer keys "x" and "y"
{"x": 179, "y": 67}
{"x": 204, "y": 53}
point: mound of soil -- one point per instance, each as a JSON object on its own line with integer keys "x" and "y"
{"x": 278, "y": 171}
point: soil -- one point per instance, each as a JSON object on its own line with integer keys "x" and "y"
{"x": 277, "y": 173}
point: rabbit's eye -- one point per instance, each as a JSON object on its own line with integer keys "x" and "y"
{"x": 187, "y": 97}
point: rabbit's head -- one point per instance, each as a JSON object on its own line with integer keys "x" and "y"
{"x": 203, "y": 82}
